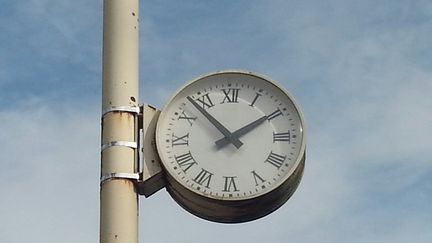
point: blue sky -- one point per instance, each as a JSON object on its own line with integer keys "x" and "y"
{"x": 360, "y": 70}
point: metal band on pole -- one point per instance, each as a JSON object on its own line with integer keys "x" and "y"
{"x": 132, "y": 145}
{"x": 129, "y": 176}
{"x": 131, "y": 109}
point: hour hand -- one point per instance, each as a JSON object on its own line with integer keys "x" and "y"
{"x": 240, "y": 132}
{"x": 228, "y": 135}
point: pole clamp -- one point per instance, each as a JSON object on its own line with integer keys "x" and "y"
{"x": 110, "y": 176}
{"x": 131, "y": 109}
{"x": 128, "y": 144}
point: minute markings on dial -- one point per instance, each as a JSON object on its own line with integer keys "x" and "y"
{"x": 211, "y": 171}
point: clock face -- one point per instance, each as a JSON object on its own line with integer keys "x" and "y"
{"x": 230, "y": 136}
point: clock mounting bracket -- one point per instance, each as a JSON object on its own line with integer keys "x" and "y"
{"x": 149, "y": 166}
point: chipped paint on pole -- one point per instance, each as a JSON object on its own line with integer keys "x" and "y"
{"x": 118, "y": 194}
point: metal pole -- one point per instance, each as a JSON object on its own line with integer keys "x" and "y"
{"x": 118, "y": 195}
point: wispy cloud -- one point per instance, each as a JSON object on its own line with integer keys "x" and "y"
{"x": 360, "y": 70}
{"x": 49, "y": 177}
{"x": 50, "y": 44}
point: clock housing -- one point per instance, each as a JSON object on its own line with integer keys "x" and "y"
{"x": 232, "y": 144}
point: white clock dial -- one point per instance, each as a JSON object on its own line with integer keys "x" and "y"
{"x": 231, "y": 136}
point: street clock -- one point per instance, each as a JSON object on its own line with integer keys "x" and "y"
{"x": 232, "y": 145}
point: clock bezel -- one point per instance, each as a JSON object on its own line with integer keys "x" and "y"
{"x": 239, "y": 211}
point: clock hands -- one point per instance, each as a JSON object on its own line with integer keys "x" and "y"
{"x": 228, "y": 135}
{"x": 240, "y": 132}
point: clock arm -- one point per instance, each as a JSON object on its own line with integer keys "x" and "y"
{"x": 240, "y": 132}
{"x": 228, "y": 135}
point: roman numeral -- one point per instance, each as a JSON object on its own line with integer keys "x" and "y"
{"x": 275, "y": 159}
{"x": 183, "y": 140}
{"x": 274, "y": 114}
{"x": 257, "y": 178}
{"x": 185, "y": 161}
{"x": 230, "y": 184}
{"x": 231, "y": 95}
{"x": 205, "y": 101}
{"x": 190, "y": 119}
{"x": 255, "y": 99}
{"x": 282, "y": 137}
{"x": 203, "y": 177}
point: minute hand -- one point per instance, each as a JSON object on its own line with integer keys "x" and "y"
{"x": 240, "y": 132}
{"x": 228, "y": 136}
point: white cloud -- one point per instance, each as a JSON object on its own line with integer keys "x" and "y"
{"x": 50, "y": 174}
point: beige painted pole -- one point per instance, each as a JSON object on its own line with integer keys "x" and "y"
{"x": 118, "y": 195}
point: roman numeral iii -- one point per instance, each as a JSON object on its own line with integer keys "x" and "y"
{"x": 282, "y": 137}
